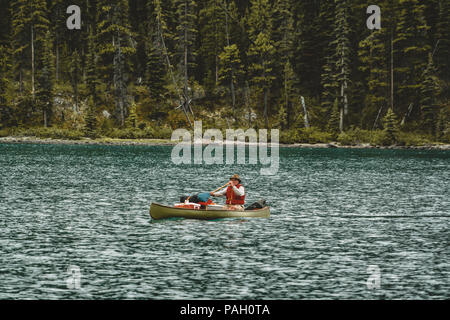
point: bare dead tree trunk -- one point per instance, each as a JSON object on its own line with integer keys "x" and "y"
{"x": 376, "y": 120}
{"x": 185, "y": 54}
{"x": 306, "y": 118}
{"x": 20, "y": 81}
{"x": 392, "y": 71}
{"x": 32, "y": 63}
{"x": 233, "y": 93}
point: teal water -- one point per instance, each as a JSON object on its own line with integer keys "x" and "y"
{"x": 337, "y": 215}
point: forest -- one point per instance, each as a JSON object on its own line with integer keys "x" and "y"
{"x": 311, "y": 68}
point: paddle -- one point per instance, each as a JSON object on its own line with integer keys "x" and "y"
{"x": 206, "y": 195}
{"x": 226, "y": 184}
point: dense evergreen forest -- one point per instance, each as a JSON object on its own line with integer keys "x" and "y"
{"x": 312, "y": 68}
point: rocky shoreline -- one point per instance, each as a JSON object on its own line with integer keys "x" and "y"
{"x": 162, "y": 142}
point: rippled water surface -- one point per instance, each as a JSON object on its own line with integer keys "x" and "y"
{"x": 339, "y": 217}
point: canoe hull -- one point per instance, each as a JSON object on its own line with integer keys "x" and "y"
{"x": 159, "y": 211}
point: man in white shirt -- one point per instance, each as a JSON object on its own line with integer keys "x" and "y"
{"x": 235, "y": 194}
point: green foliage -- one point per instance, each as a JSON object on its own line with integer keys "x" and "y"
{"x": 355, "y": 136}
{"x": 413, "y": 139}
{"x": 305, "y": 135}
{"x": 390, "y": 126}
{"x": 230, "y": 68}
{"x": 155, "y": 75}
{"x": 333, "y": 123}
{"x": 90, "y": 121}
{"x": 263, "y": 54}
{"x": 132, "y": 117}
{"x": 47, "y": 133}
{"x": 136, "y": 133}
{"x": 430, "y": 90}
{"x": 411, "y": 50}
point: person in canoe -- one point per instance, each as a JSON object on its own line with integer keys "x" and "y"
{"x": 235, "y": 194}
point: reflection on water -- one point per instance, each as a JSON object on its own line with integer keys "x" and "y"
{"x": 335, "y": 213}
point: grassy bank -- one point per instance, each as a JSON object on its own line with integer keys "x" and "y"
{"x": 352, "y": 137}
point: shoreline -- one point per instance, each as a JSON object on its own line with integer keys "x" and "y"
{"x": 167, "y": 142}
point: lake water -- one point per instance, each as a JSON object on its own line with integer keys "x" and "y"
{"x": 341, "y": 220}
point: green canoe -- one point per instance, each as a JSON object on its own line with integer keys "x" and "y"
{"x": 159, "y": 211}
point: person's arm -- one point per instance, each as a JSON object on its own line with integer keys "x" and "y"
{"x": 220, "y": 193}
{"x": 240, "y": 192}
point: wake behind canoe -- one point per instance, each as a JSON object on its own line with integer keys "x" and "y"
{"x": 159, "y": 211}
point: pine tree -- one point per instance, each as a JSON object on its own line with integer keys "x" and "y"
{"x": 442, "y": 49}
{"x": 155, "y": 73}
{"x": 390, "y": 126}
{"x": 374, "y": 58}
{"x": 212, "y": 19}
{"x": 5, "y": 109}
{"x": 329, "y": 85}
{"x": 21, "y": 37}
{"x": 309, "y": 50}
{"x": 260, "y": 18}
{"x": 186, "y": 36}
{"x": 261, "y": 52}
{"x": 90, "y": 120}
{"x": 288, "y": 92}
{"x": 428, "y": 103}
{"x": 443, "y": 124}
{"x": 91, "y": 69}
{"x": 230, "y": 68}
{"x": 411, "y": 51}
{"x": 45, "y": 78}
{"x": 75, "y": 74}
{"x": 282, "y": 118}
{"x": 282, "y": 36}
{"x": 132, "y": 117}
{"x": 342, "y": 56}
{"x": 60, "y": 33}
{"x": 115, "y": 48}
{"x": 333, "y": 122}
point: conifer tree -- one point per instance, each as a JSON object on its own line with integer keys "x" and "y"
{"x": 230, "y": 69}
{"x": 288, "y": 92}
{"x": 283, "y": 36}
{"x": 333, "y": 122}
{"x": 115, "y": 48}
{"x": 374, "y": 65}
{"x": 390, "y": 126}
{"x": 45, "y": 77}
{"x": 282, "y": 118}
{"x": 442, "y": 47}
{"x": 212, "y": 19}
{"x": 90, "y": 119}
{"x": 75, "y": 74}
{"x": 5, "y": 109}
{"x": 411, "y": 50}
{"x": 342, "y": 56}
{"x": 262, "y": 52}
{"x": 186, "y": 36}
{"x": 91, "y": 69}
{"x": 428, "y": 102}
{"x": 132, "y": 117}
{"x": 155, "y": 73}
{"x": 329, "y": 85}
{"x": 21, "y": 37}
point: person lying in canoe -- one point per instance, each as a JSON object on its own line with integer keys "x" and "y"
{"x": 235, "y": 194}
